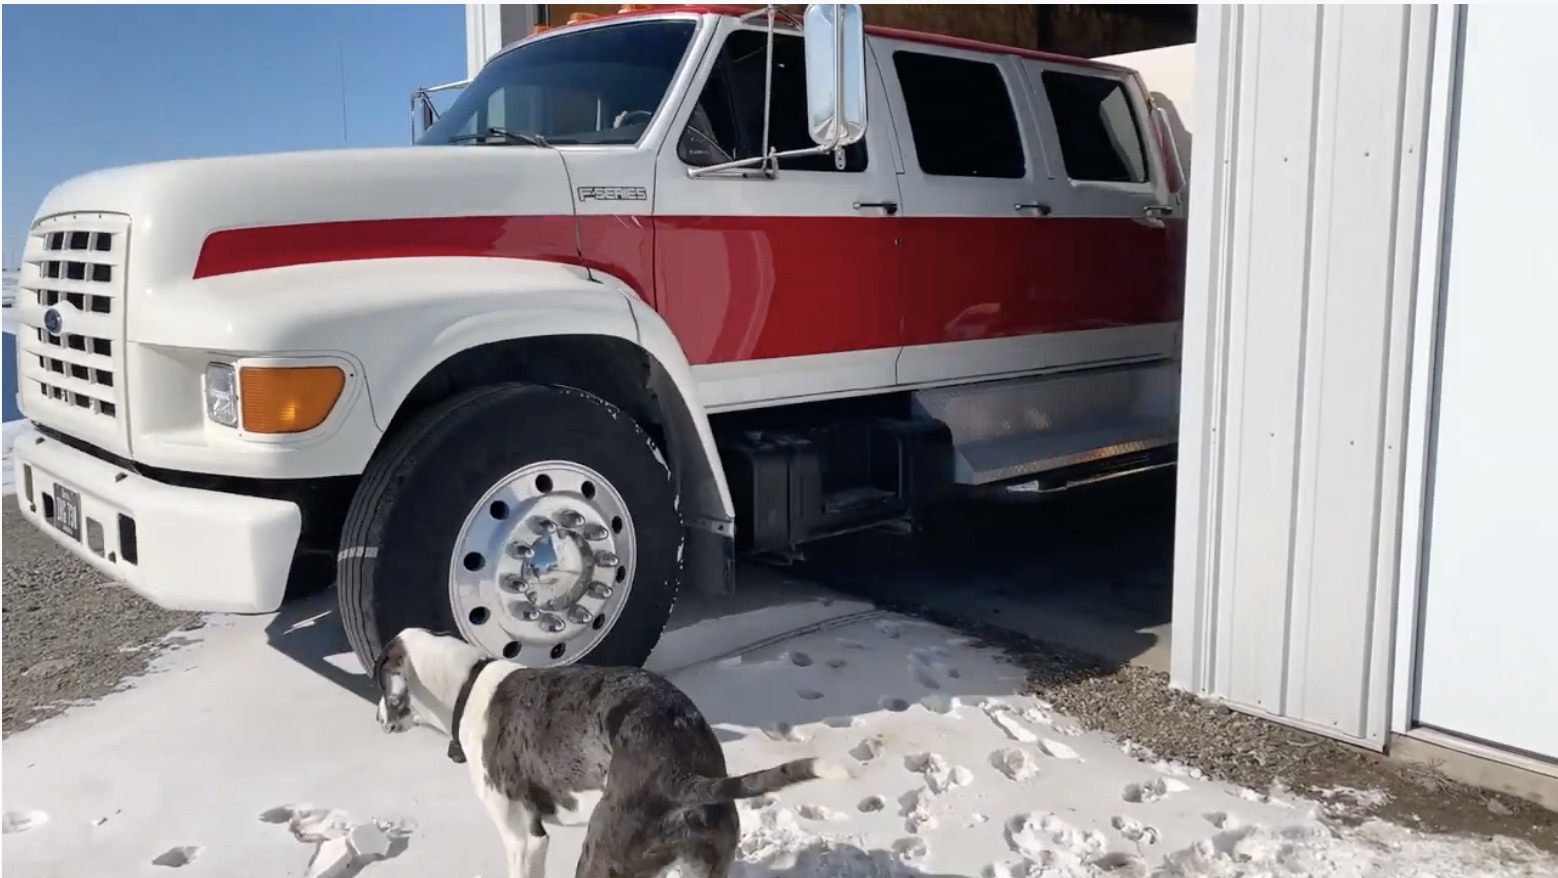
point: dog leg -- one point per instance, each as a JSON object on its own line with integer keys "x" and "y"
{"x": 518, "y": 826}
{"x": 535, "y": 853}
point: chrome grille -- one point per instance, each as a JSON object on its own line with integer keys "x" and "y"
{"x": 71, "y": 371}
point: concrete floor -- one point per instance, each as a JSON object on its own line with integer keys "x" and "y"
{"x": 1091, "y": 568}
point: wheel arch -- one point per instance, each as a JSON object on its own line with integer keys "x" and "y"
{"x": 622, "y": 372}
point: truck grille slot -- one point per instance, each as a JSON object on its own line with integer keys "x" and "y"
{"x": 72, "y": 323}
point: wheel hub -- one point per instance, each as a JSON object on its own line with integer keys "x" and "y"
{"x": 543, "y": 564}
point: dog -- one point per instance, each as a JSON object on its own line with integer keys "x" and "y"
{"x": 535, "y": 740}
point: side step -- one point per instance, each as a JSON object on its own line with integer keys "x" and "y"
{"x": 1023, "y": 427}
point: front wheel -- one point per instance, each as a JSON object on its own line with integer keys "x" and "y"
{"x": 538, "y": 523}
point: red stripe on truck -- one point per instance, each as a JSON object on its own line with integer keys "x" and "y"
{"x": 738, "y": 288}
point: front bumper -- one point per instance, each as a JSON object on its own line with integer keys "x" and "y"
{"x": 180, "y": 548}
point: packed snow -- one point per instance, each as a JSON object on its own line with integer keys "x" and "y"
{"x": 254, "y": 751}
{"x": 10, "y": 431}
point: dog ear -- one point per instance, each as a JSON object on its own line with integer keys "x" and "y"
{"x": 388, "y": 666}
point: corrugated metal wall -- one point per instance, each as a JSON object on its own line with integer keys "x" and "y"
{"x": 1303, "y": 240}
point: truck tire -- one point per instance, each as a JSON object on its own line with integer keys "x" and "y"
{"x": 538, "y": 523}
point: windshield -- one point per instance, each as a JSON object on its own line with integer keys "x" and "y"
{"x": 596, "y": 86}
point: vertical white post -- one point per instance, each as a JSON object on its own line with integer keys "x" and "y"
{"x": 483, "y": 34}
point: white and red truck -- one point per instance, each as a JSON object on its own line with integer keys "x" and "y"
{"x": 658, "y": 290}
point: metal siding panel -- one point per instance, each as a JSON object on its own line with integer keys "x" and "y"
{"x": 1203, "y": 361}
{"x": 1274, "y": 217}
{"x": 1345, "y": 397}
{"x": 1314, "y": 195}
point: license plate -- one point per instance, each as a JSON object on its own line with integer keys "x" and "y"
{"x": 67, "y": 511}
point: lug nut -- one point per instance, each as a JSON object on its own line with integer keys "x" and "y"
{"x": 543, "y": 526}
{"x": 526, "y": 611}
{"x": 606, "y": 559}
{"x": 511, "y": 582}
{"x": 599, "y": 591}
{"x": 595, "y": 532}
{"x": 579, "y": 615}
{"x": 521, "y": 551}
{"x": 552, "y": 624}
{"x": 569, "y": 518}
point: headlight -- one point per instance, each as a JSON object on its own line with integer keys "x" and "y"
{"x": 221, "y": 394}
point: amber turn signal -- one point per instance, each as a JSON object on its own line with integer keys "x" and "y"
{"x": 282, "y": 399}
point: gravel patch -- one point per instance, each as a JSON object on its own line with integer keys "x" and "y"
{"x": 69, "y": 636}
{"x": 1153, "y": 722}
{"x": 1118, "y": 541}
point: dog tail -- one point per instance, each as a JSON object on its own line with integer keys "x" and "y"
{"x": 707, "y": 790}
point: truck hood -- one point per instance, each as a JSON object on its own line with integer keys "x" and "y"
{"x": 174, "y": 205}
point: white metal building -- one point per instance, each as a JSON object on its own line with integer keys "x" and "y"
{"x": 1364, "y": 512}
{"x": 1362, "y": 532}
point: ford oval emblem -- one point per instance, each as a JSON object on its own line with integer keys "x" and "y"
{"x": 53, "y": 321}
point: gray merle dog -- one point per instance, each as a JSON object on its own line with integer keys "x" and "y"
{"x": 539, "y": 739}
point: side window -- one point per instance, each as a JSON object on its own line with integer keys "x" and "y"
{"x": 961, "y": 116}
{"x": 727, "y": 122}
{"x": 1100, "y": 139}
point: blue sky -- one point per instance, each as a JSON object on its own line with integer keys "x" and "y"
{"x": 88, "y": 87}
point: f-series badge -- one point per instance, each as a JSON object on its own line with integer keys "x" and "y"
{"x": 613, "y": 193}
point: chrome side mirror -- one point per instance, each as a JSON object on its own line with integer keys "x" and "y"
{"x": 835, "y": 36}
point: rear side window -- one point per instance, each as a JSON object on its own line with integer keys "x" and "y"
{"x": 1100, "y": 139}
{"x": 961, "y": 116}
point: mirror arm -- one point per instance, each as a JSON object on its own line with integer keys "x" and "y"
{"x": 768, "y": 91}
{"x": 769, "y": 162}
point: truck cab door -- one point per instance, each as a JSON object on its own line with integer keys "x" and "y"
{"x": 782, "y": 285}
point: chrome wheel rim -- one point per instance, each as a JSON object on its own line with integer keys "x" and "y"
{"x": 543, "y": 564}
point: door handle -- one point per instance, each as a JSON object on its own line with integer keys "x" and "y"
{"x": 888, "y": 207}
{"x": 1041, "y": 207}
{"x": 1158, "y": 210}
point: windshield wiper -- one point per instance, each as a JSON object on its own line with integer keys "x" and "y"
{"x": 501, "y": 134}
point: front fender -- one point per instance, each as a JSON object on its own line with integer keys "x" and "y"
{"x": 397, "y": 317}
{"x": 401, "y": 318}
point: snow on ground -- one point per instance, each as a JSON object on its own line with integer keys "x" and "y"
{"x": 245, "y": 752}
{"x": 11, "y": 429}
